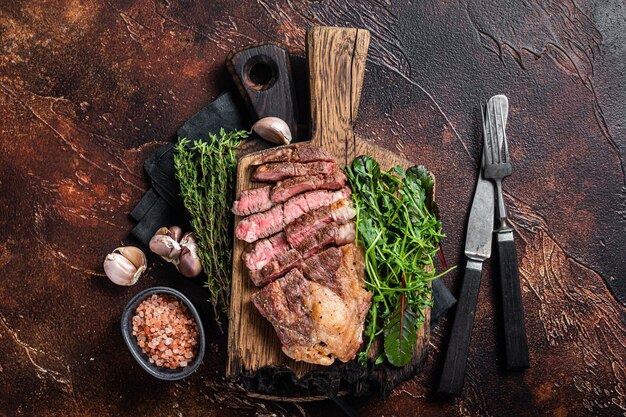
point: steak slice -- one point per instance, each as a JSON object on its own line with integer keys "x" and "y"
{"x": 278, "y": 171}
{"x": 281, "y": 264}
{"x": 293, "y": 153}
{"x": 319, "y": 313}
{"x": 256, "y": 255}
{"x": 260, "y": 225}
{"x": 303, "y": 203}
{"x": 253, "y": 201}
{"x": 329, "y": 234}
{"x": 340, "y": 211}
{"x": 290, "y": 187}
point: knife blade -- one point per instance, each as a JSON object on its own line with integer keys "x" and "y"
{"x": 477, "y": 250}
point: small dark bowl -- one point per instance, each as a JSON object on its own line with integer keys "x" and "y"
{"x": 165, "y": 374}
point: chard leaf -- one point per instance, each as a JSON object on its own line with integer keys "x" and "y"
{"x": 418, "y": 176}
{"x": 401, "y": 335}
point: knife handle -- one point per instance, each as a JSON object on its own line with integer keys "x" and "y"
{"x": 515, "y": 340}
{"x": 456, "y": 356}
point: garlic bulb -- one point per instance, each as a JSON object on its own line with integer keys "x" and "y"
{"x": 125, "y": 265}
{"x": 165, "y": 243}
{"x": 188, "y": 262}
{"x": 273, "y": 129}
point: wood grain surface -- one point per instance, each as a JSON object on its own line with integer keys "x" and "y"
{"x": 88, "y": 90}
{"x": 336, "y": 68}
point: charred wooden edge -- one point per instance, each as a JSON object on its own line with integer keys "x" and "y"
{"x": 281, "y": 383}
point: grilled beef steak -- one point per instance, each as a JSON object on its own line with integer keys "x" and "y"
{"x": 294, "y": 153}
{"x": 253, "y": 201}
{"x": 256, "y": 255}
{"x": 290, "y": 187}
{"x": 307, "y": 224}
{"x": 313, "y": 291}
{"x": 303, "y": 203}
{"x": 319, "y": 316}
{"x": 278, "y": 171}
{"x": 332, "y": 233}
{"x": 282, "y": 263}
{"x": 260, "y": 225}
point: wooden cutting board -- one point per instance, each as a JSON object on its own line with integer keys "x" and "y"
{"x": 336, "y": 64}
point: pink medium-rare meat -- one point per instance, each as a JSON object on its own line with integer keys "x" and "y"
{"x": 267, "y": 223}
{"x": 293, "y": 153}
{"x": 256, "y": 255}
{"x": 260, "y": 225}
{"x": 330, "y": 234}
{"x": 278, "y": 171}
{"x": 307, "y": 224}
{"x": 290, "y": 187}
{"x": 303, "y": 203}
{"x": 253, "y": 201}
{"x": 280, "y": 265}
{"x": 319, "y": 313}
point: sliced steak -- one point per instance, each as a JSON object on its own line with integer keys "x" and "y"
{"x": 303, "y": 203}
{"x": 290, "y": 187}
{"x": 293, "y": 153}
{"x": 330, "y": 234}
{"x": 280, "y": 265}
{"x": 253, "y": 201}
{"x": 260, "y": 225}
{"x": 319, "y": 314}
{"x": 256, "y": 255}
{"x": 307, "y": 224}
{"x": 278, "y": 171}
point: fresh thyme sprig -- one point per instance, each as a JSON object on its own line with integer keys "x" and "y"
{"x": 206, "y": 173}
{"x": 397, "y": 225}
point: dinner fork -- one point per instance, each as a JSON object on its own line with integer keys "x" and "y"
{"x": 498, "y": 167}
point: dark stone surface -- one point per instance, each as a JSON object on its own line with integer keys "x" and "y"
{"x": 88, "y": 90}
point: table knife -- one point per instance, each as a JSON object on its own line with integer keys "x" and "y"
{"x": 477, "y": 250}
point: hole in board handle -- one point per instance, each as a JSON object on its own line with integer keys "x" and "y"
{"x": 260, "y": 72}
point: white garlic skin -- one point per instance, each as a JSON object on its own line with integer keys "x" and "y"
{"x": 165, "y": 243}
{"x": 273, "y": 129}
{"x": 189, "y": 263}
{"x": 125, "y": 265}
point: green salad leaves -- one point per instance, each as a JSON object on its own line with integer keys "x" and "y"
{"x": 400, "y": 232}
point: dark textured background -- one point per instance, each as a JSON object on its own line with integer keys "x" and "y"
{"x": 89, "y": 89}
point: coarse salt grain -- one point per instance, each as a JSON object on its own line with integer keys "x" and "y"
{"x": 161, "y": 322}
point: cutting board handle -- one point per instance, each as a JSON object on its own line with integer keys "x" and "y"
{"x": 262, "y": 74}
{"x": 336, "y": 70}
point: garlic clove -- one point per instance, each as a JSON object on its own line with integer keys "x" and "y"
{"x": 175, "y": 233}
{"x": 120, "y": 269}
{"x": 165, "y": 246}
{"x": 273, "y": 129}
{"x": 134, "y": 255}
{"x": 188, "y": 262}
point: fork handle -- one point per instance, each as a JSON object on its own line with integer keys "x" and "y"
{"x": 515, "y": 339}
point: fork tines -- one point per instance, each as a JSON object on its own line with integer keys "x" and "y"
{"x": 497, "y": 164}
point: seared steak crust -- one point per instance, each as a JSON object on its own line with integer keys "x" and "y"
{"x": 290, "y": 187}
{"x": 318, "y": 314}
{"x": 294, "y": 153}
{"x": 277, "y": 171}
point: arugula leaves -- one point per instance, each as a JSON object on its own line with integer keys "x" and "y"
{"x": 398, "y": 226}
